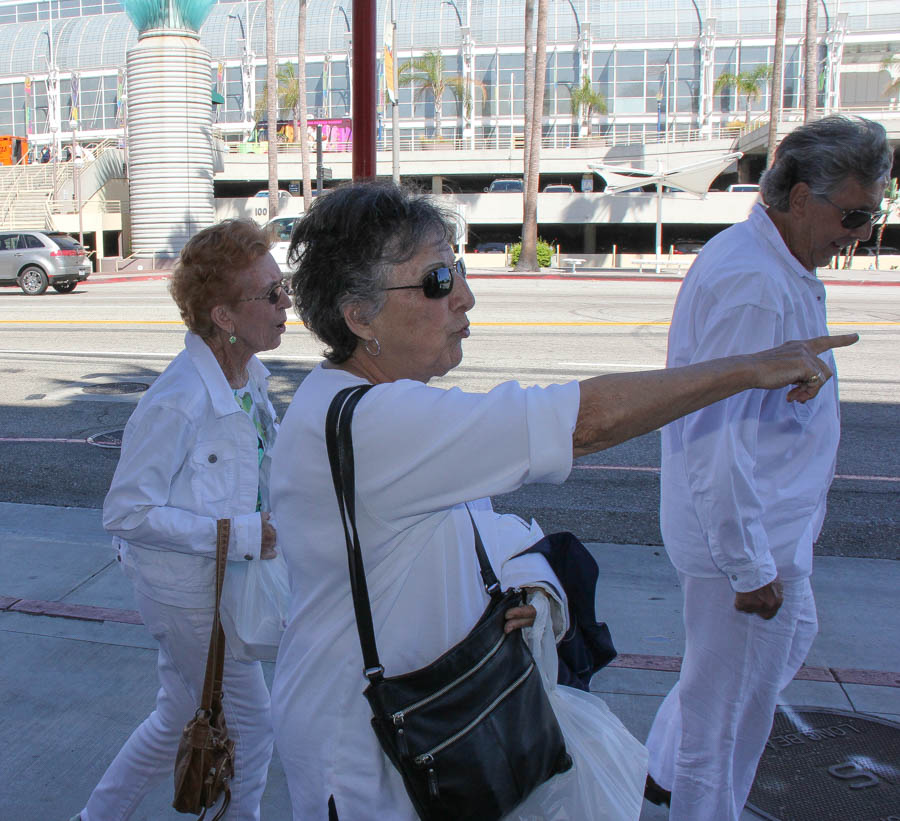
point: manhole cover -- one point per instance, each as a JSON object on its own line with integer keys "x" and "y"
{"x": 115, "y": 388}
{"x": 828, "y": 765}
{"x": 108, "y": 439}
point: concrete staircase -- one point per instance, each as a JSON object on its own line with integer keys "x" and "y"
{"x": 26, "y": 192}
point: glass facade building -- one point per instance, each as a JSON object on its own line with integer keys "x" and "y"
{"x": 655, "y": 62}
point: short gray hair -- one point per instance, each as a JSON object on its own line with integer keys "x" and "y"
{"x": 823, "y": 154}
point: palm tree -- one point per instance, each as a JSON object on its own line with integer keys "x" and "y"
{"x": 748, "y": 83}
{"x": 586, "y": 101}
{"x": 810, "y": 80}
{"x": 287, "y": 95}
{"x": 427, "y": 72}
{"x": 271, "y": 109}
{"x": 301, "y": 107}
{"x": 778, "y": 72}
{"x": 528, "y": 260}
{"x": 529, "y": 97}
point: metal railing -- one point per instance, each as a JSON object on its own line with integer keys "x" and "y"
{"x": 619, "y": 134}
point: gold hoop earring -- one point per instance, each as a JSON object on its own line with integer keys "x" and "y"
{"x": 377, "y": 346}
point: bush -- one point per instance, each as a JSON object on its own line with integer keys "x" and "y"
{"x": 544, "y": 253}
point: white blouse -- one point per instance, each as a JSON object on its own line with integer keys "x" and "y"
{"x": 744, "y": 481}
{"x": 420, "y": 454}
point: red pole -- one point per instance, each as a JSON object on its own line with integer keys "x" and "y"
{"x": 364, "y": 90}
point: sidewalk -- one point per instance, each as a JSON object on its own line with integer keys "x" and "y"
{"x": 76, "y": 684}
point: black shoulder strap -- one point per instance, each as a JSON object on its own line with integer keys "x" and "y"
{"x": 339, "y": 440}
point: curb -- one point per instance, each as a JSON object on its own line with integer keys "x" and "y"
{"x": 631, "y": 661}
{"x": 562, "y": 276}
{"x": 105, "y": 279}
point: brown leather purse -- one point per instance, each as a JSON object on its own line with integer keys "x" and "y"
{"x": 205, "y": 760}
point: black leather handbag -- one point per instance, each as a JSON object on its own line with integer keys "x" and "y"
{"x": 473, "y": 733}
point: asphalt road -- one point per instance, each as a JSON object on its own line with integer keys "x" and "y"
{"x": 58, "y": 351}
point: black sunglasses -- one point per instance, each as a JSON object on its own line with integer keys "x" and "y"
{"x": 437, "y": 283}
{"x": 852, "y": 218}
{"x": 273, "y": 295}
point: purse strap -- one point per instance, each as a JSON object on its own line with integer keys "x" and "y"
{"x": 215, "y": 658}
{"x": 339, "y": 440}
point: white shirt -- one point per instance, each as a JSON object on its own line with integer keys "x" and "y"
{"x": 189, "y": 457}
{"x": 420, "y": 453}
{"x": 744, "y": 481}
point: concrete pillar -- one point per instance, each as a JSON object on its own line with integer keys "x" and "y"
{"x": 590, "y": 238}
{"x": 437, "y": 184}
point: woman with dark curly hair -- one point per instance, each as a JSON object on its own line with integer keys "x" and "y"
{"x": 196, "y": 450}
{"x": 377, "y": 282}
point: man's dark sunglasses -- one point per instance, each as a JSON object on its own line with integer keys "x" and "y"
{"x": 852, "y": 218}
{"x": 437, "y": 283}
{"x": 273, "y": 295}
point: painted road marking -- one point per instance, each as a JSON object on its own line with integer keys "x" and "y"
{"x": 626, "y": 468}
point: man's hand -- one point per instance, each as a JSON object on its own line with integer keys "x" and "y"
{"x": 269, "y": 537}
{"x": 765, "y": 601}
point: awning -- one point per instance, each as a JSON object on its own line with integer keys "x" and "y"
{"x": 694, "y": 178}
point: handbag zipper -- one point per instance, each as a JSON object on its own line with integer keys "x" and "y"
{"x": 428, "y": 758}
{"x": 399, "y": 717}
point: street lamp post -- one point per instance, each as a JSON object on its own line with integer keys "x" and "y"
{"x": 247, "y": 84}
{"x": 468, "y": 55}
{"x": 76, "y": 177}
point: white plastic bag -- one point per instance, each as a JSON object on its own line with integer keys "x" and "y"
{"x": 254, "y": 607}
{"x": 606, "y": 781}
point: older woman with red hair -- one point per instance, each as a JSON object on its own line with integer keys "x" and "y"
{"x": 195, "y": 451}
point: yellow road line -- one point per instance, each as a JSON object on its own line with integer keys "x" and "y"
{"x": 584, "y": 324}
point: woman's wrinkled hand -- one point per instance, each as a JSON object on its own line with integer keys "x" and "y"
{"x": 519, "y": 617}
{"x": 797, "y": 363}
{"x": 269, "y": 537}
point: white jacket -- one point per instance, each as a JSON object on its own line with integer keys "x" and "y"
{"x": 189, "y": 457}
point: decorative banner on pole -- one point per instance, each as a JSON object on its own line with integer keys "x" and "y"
{"x": 326, "y": 82}
{"x": 73, "y": 102}
{"x": 661, "y": 90}
{"x": 380, "y": 85}
{"x": 29, "y": 105}
{"x": 120, "y": 100}
{"x": 389, "y": 65}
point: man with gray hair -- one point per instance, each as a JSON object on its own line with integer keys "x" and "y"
{"x": 744, "y": 481}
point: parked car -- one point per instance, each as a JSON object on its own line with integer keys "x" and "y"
{"x": 490, "y": 248}
{"x": 687, "y": 246}
{"x": 559, "y": 188}
{"x": 505, "y": 186}
{"x": 742, "y": 187}
{"x": 281, "y": 229}
{"x": 34, "y": 260}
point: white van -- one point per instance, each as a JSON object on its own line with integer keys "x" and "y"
{"x": 281, "y": 229}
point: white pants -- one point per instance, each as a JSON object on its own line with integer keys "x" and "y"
{"x": 148, "y": 756}
{"x": 711, "y": 729}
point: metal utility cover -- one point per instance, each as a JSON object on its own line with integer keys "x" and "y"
{"x": 828, "y": 765}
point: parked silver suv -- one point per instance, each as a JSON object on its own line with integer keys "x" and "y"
{"x": 35, "y": 259}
